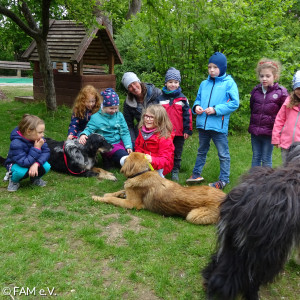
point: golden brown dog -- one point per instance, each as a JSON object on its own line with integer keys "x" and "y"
{"x": 146, "y": 189}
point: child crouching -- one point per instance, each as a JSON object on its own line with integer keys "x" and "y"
{"x": 28, "y": 153}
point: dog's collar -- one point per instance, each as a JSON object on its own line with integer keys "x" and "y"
{"x": 138, "y": 174}
{"x": 66, "y": 163}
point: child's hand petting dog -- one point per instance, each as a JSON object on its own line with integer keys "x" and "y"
{"x": 149, "y": 158}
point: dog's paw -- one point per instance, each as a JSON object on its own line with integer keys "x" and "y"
{"x": 110, "y": 177}
{"x": 97, "y": 198}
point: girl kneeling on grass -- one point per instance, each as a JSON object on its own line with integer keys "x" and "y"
{"x": 110, "y": 123}
{"x": 86, "y": 103}
{"x": 155, "y": 139}
{"x": 28, "y": 153}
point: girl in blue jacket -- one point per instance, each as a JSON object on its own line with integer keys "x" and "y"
{"x": 217, "y": 98}
{"x": 28, "y": 153}
{"x": 110, "y": 123}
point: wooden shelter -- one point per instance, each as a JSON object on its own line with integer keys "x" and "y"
{"x": 86, "y": 57}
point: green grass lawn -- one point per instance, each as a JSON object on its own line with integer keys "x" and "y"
{"x": 58, "y": 238}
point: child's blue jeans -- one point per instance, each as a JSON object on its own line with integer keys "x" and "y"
{"x": 221, "y": 142}
{"x": 18, "y": 173}
{"x": 262, "y": 149}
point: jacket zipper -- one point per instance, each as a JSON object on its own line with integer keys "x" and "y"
{"x": 209, "y": 101}
{"x": 295, "y": 127}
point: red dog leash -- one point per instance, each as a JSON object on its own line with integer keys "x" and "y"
{"x": 66, "y": 163}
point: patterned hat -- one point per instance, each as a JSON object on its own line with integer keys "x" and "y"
{"x": 172, "y": 74}
{"x": 296, "y": 80}
{"x": 110, "y": 98}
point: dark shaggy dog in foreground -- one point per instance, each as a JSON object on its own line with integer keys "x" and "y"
{"x": 146, "y": 189}
{"x": 76, "y": 159}
{"x": 259, "y": 226}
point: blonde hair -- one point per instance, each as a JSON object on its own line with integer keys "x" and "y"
{"x": 29, "y": 122}
{"x": 294, "y": 100}
{"x": 79, "y": 107}
{"x": 162, "y": 122}
{"x": 266, "y": 63}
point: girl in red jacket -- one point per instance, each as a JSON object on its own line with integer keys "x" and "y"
{"x": 155, "y": 139}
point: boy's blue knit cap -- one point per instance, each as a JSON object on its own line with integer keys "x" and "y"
{"x": 172, "y": 74}
{"x": 110, "y": 98}
{"x": 219, "y": 59}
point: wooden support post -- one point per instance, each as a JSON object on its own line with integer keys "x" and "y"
{"x": 80, "y": 68}
{"x": 112, "y": 64}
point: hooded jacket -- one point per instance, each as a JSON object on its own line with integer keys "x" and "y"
{"x": 160, "y": 149}
{"x": 222, "y": 94}
{"x": 286, "y": 128}
{"x": 132, "y": 111}
{"x": 178, "y": 109}
{"x": 77, "y": 125}
{"x": 112, "y": 127}
{"x": 23, "y": 153}
{"x": 264, "y": 108}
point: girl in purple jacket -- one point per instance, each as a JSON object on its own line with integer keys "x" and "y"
{"x": 265, "y": 102}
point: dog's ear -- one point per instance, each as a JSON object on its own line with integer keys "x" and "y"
{"x": 134, "y": 163}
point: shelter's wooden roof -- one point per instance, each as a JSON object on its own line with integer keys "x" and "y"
{"x": 70, "y": 42}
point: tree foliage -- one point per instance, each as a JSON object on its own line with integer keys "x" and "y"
{"x": 32, "y": 17}
{"x": 184, "y": 34}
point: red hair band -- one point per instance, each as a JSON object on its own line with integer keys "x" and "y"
{"x": 268, "y": 62}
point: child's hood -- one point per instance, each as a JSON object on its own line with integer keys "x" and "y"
{"x": 15, "y": 135}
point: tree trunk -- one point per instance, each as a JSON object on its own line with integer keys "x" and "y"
{"x": 134, "y": 8}
{"x": 47, "y": 74}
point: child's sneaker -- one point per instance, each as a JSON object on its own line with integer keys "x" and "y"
{"x": 218, "y": 185}
{"x": 175, "y": 176}
{"x": 194, "y": 178}
{"x": 13, "y": 186}
{"x": 38, "y": 181}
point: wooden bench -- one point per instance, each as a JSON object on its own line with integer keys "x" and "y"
{"x": 15, "y": 65}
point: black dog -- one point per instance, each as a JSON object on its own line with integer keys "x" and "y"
{"x": 76, "y": 159}
{"x": 258, "y": 228}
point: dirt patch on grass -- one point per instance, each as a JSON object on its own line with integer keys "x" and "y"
{"x": 114, "y": 231}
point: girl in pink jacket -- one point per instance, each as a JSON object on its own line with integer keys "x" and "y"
{"x": 155, "y": 139}
{"x": 286, "y": 128}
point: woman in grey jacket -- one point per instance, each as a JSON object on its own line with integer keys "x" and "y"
{"x": 140, "y": 95}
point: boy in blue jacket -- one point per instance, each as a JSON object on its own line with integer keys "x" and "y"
{"x": 217, "y": 98}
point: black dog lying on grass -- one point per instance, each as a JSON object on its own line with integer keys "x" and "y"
{"x": 73, "y": 158}
{"x": 259, "y": 227}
